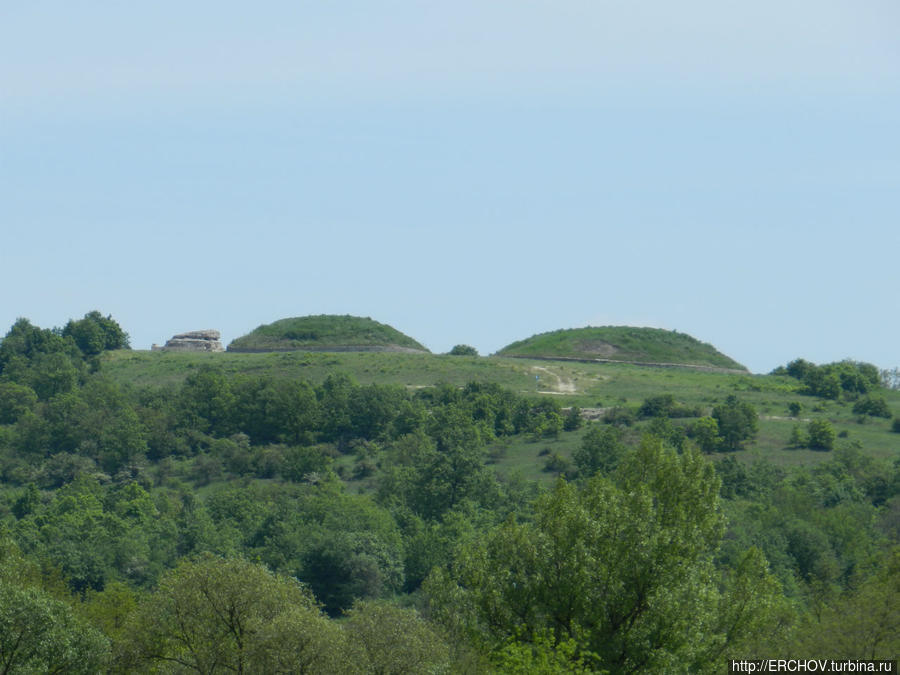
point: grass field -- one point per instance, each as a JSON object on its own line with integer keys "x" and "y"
{"x": 587, "y": 385}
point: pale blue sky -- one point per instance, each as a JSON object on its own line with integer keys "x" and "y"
{"x": 468, "y": 172}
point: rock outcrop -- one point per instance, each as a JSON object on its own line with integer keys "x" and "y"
{"x": 193, "y": 341}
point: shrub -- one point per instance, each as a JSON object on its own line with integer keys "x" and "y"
{"x": 555, "y": 463}
{"x": 657, "y": 406}
{"x": 705, "y": 433}
{"x": 463, "y": 350}
{"x": 573, "y": 419}
{"x": 798, "y": 439}
{"x": 821, "y": 435}
{"x": 620, "y": 416}
{"x": 874, "y": 406}
{"x": 738, "y": 422}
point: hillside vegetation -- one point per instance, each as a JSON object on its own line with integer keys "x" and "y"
{"x": 325, "y": 332}
{"x": 378, "y": 512}
{"x": 622, "y": 343}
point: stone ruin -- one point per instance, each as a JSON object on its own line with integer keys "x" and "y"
{"x": 193, "y": 341}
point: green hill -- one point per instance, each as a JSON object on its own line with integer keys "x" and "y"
{"x": 622, "y": 343}
{"x": 325, "y": 332}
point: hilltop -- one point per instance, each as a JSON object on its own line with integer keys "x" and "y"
{"x": 626, "y": 344}
{"x": 325, "y": 332}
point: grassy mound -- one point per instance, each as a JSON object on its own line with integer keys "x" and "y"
{"x": 325, "y": 332}
{"x": 622, "y": 343}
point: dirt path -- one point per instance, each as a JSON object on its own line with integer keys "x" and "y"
{"x": 562, "y": 386}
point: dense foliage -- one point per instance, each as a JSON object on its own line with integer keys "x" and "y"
{"x": 232, "y": 522}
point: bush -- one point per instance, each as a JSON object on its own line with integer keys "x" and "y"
{"x": 705, "y": 433}
{"x": 657, "y": 406}
{"x": 895, "y": 427}
{"x": 601, "y": 450}
{"x": 555, "y": 463}
{"x": 872, "y": 406}
{"x": 620, "y": 416}
{"x": 798, "y": 439}
{"x": 573, "y": 419}
{"x": 738, "y": 422}
{"x": 463, "y": 350}
{"x": 821, "y": 435}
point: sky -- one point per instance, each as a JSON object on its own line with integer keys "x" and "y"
{"x": 467, "y": 172}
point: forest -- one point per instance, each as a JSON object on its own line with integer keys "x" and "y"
{"x": 235, "y": 520}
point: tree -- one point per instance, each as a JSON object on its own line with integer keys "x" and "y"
{"x": 737, "y": 422}
{"x": 874, "y": 406}
{"x": 601, "y": 449}
{"x": 341, "y": 567}
{"x": 661, "y": 405}
{"x": 798, "y": 438}
{"x": 706, "y": 434}
{"x": 862, "y": 623}
{"x": 15, "y": 399}
{"x": 397, "y": 641}
{"x": 573, "y": 420}
{"x": 206, "y": 402}
{"x": 25, "y": 340}
{"x": 820, "y": 435}
{"x": 622, "y": 568}
{"x": 41, "y": 635}
{"x": 214, "y": 614}
{"x": 463, "y": 350}
{"x": 276, "y": 410}
{"x": 95, "y": 333}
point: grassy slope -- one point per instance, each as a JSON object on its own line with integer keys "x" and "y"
{"x": 321, "y": 332}
{"x": 622, "y": 343}
{"x": 596, "y": 385}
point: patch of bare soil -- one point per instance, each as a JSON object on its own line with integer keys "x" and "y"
{"x": 561, "y": 384}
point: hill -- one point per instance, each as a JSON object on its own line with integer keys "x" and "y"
{"x": 623, "y": 344}
{"x": 325, "y": 332}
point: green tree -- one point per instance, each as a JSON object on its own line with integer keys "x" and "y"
{"x": 334, "y": 396}
{"x": 875, "y": 406}
{"x": 738, "y": 422}
{"x": 41, "y": 635}
{"x": 798, "y": 438}
{"x": 861, "y": 623}
{"x": 212, "y": 615}
{"x": 661, "y": 405}
{"x": 27, "y": 502}
{"x": 206, "y": 402}
{"x": 341, "y": 567}
{"x": 15, "y": 399}
{"x": 95, "y": 333}
{"x": 25, "y": 341}
{"x": 463, "y": 350}
{"x": 276, "y": 410}
{"x": 601, "y": 449}
{"x": 623, "y": 569}
{"x": 573, "y": 420}
{"x": 52, "y": 374}
{"x": 820, "y": 435}
{"x": 397, "y": 641}
{"x": 706, "y": 434}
